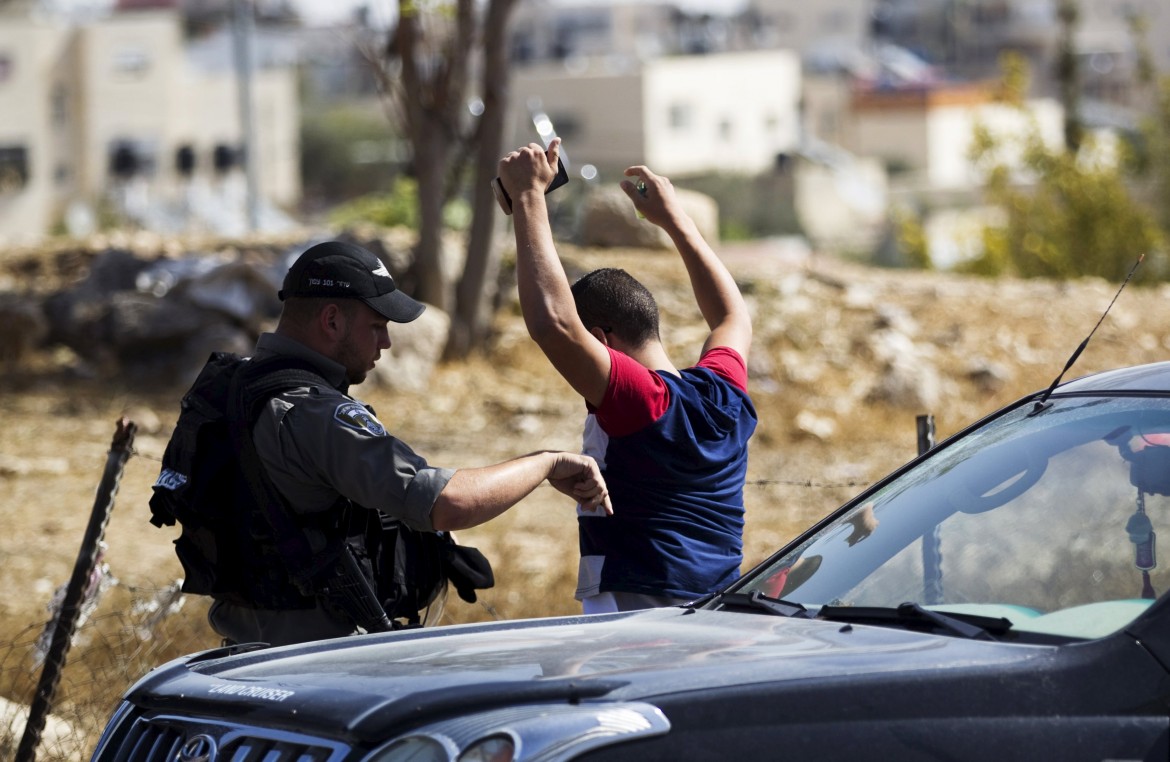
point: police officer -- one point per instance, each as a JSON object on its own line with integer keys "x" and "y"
{"x": 318, "y": 444}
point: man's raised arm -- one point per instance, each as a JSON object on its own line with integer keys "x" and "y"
{"x": 545, "y": 297}
{"x": 715, "y": 290}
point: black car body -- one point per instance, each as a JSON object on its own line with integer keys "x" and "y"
{"x": 997, "y": 598}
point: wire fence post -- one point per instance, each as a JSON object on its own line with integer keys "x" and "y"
{"x": 932, "y": 590}
{"x": 66, "y": 621}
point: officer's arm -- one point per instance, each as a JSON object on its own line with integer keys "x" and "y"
{"x": 476, "y": 495}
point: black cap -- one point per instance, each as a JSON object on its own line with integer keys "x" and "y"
{"x": 343, "y": 270}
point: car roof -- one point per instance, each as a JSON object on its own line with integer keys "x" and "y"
{"x": 1154, "y": 377}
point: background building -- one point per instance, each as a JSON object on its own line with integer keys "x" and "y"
{"x": 825, "y": 33}
{"x": 560, "y": 30}
{"x": 114, "y": 112}
{"x": 729, "y": 112}
{"x": 924, "y": 135}
{"x": 967, "y": 37}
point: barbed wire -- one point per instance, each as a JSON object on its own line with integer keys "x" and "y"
{"x": 806, "y": 483}
{"x": 135, "y": 626}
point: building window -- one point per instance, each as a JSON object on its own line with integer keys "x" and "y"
{"x": 726, "y": 130}
{"x": 185, "y": 160}
{"x": 123, "y": 161}
{"x": 523, "y": 47}
{"x": 581, "y": 34}
{"x": 131, "y": 62}
{"x": 682, "y": 116}
{"x": 224, "y": 157}
{"x": 131, "y": 158}
{"x": 6, "y": 67}
{"x": 13, "y": 168}
{"x": 59, "y": 105}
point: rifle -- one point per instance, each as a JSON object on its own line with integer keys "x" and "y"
{"x": 349, "y": 589}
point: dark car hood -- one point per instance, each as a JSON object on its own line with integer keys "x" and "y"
{"x": 369, "y": 683}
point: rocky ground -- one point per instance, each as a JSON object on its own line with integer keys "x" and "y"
{"x": 845, "y": 357}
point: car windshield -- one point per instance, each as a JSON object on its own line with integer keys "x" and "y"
{"x": 1046, "y": 519}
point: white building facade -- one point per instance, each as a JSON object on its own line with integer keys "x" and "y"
{"x": 925, "y": 134}
{"x": 684, "y": 115}
{"x": 115, "y": 105}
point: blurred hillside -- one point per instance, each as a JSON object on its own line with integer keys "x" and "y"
{"x": 845, "y": 357}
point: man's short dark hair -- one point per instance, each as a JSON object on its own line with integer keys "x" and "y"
{"x": 613, "y": 300}
{"x": 301, "y": 310}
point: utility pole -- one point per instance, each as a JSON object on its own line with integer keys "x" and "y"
{"x": 243, "y": 28}
{"x": 1068, "y": 75}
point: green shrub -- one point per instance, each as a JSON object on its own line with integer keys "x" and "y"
{"x": 1078, "y": 218}
{"x": 910, "y": 238}
{"x": 346, "y": 152}
{"x": 398, "y": 207}
{"x": 1076, "y": 213}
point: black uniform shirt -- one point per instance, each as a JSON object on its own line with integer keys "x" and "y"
{"x": 318, "y": 443}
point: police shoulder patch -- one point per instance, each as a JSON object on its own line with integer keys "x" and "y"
{"x": 355, "y": 415}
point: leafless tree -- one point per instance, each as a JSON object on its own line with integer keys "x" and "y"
{"x": 432, "y": 55}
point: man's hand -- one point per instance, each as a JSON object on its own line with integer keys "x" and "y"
{"x": 864, "y": 522}
{"x": 579, "y": 477}
{"x": 653, "y": 196}
{"x": 529, "y": 168}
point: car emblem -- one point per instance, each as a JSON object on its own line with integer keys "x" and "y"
{"x": 200, "y": 748}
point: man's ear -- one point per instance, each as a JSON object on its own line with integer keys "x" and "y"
{"x": 600, "y": 335}
{"x": 331, "y": 321}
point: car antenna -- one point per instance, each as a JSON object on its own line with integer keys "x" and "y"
{"x": 1043, "y": 402}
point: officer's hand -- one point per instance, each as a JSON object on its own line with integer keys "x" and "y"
{"x": 579, "y": 477}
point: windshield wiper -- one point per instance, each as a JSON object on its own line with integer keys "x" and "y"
{"x": 969, "y": 626}
{"x": 760, "y": 602}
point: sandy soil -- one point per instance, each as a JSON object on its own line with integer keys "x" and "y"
{"x": 822, "y": 333}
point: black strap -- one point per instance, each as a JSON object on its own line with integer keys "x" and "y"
{"x": 253, "y": 385}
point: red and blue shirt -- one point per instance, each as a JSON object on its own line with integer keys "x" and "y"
{"x": 673, "y": 450}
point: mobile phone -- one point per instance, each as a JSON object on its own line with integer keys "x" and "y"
{"x": 505, "y": 201}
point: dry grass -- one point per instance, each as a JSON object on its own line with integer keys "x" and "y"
{"x": 813, "y": 354}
